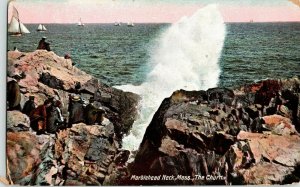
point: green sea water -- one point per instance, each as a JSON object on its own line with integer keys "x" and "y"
{"x": 119, "y": 55}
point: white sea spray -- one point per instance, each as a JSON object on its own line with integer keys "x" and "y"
{"x": 187, "y": 57}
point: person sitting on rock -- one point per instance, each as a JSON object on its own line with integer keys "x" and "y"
{"x": 76, "y": 110}
{"x": 13, "y": 95}
{"x": 43, "y": 44}
{"x": 55, "y": 120}
{"x": 58, "y": 105}
{"x": 67, "y": 56}
{"x": 77, "y": 87}
{"x": 93, "y": 114}
{"x": 38, "y": 117}
{"x": 29, "y": 106}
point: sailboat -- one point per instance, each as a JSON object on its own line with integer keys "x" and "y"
{"x": 41, "y": 28}
{"x": 130, "y": 24}
{"x": 16, "y": 27}
{"x": 80, "y": 23}
{"x": 117, "y": 23}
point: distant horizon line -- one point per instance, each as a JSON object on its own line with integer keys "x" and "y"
{"x": 74, "y": 23}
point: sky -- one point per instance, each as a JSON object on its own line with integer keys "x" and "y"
{"x": 150, "y": 11}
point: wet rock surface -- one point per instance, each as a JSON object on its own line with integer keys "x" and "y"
{"x": 223, "y": 136}
{"x": 79, "y": 155}
{"x": 249, "y": 135}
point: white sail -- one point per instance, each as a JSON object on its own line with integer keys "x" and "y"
{"x": 14, "y": 26}
{"x": 40, "y": 27}
{"x": 130, "y": 24}
{"x": 80, "y": 23}
{"x": 15, "y": 13}
{"x": 24, "y": 29}
{"x": 117, "y": 23}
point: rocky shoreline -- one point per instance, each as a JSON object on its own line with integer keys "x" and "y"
{"x": 248, "y": 135}
{"x": 78, "y": 155}
{"x": 222, "y": 136}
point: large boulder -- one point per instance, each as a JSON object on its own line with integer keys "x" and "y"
{"x": 218, "y": 136}
{"x": 187, "y": 137}
{"x": 17, "y": 121}
{"x": 85, "y": 153}
{"x": 81, "y": 155}
{"x": 44, "y": 74}
{"x": 279, "y": 125}
{"x": 265, "y": 158}
{"x": 75, "y": 156}
{"x": 24, "y": 155}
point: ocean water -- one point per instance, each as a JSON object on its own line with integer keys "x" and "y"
{"x": 120, "y": 55}
{"x": 186, "y": 57}
{"x": 153, "y": 60}
{"x": 116, "y": 55}
{"x": 255, "y": 51}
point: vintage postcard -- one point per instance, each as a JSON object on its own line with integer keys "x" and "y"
{"x": 160, "y": 92}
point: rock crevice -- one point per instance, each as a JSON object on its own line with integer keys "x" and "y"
{"x": 226, "y": 136}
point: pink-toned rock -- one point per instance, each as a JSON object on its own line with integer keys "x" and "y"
{"x": 173, "y": 124}
{"x": 74, "y": 156}
{"x": 266, "y": 173}
{"x": 23, "y": 154}
{"x": 265, "y": 158}
{"x": 43, "y": 74}
{"x": 169, "y": 147}
{"x": 279, "y": 125}
{"x": 33, "y": 65}
{"x": 17, "y": 121}
{"x": 87, "y": 153}
{"x": 283, "y": 149}
{"x": 13, "y": 55}
{"x": 66, "y": 78}
{"x": 275, "y": 119}
{"x": 30, "y": 80}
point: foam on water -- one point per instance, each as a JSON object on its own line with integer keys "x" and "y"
{"x": 187, "y": 58}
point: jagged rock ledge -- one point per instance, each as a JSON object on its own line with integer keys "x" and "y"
{"x": 223, "y": 136}
{"x": 43, "y": 74}
{"x": 218, "y": 136}
{"x": 75, "y": 156}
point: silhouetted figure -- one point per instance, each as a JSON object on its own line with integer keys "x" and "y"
{"x": 29, "y": 106}
{"x": 75, "y": 110}
{"x": 77, "y": 87}
{"x": 67, "y": 56}
{"x": 43, "y": 44}
{"x": 38, "y": 117}
{"x": 13, "y": 95}
{"x": 93, "y": 114}
{"x": 58, "y": 108}
{"x": 55, "y": 120}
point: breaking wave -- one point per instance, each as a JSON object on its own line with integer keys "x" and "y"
{"x": 186, "y": 57}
